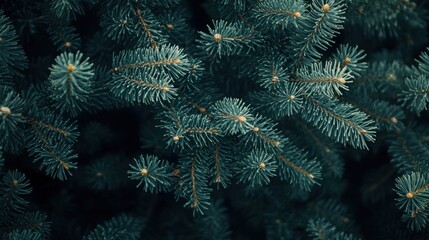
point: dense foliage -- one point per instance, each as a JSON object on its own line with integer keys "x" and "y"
{"x": 216, "y": 119}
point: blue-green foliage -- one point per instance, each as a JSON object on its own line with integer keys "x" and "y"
{"x": 257, "y": 168}
{"x": 384, "y": 19}
{"x": 352, "y": 58}
{"x": 413, "y": 199}
{"x": 329, "y": 79}
{"x": 232, "y": 115}
{"x": 33, "y": 223}
{"x": 148, "y": 74}
{"x": 65, "y": 38}
{"x": 71, "y": 80}
{"x": 321, "y": 23}
{"x": 132, "y": 23}
{"x": 106, "y": 173}
{"x": 11, "y": 54}
{"x": 258, "y": 99}
{"x": 193, "y": 181}
{"x": 13, "y": 187}
{"x": 11, "y": 119}
{"x": 285, "y": 100}
{"x": 352, "y": 126}
{"x": 409, "y": 153}
{"x": 295, "y": 166}
{"x": 153, "y": 174}
{"x": 229, "y": 39}
{"x": 123, "y": 227}
{"x": 214, "y": 223}
{"x": 24, "y": 234}
{"x": 49, "y": 140}
{"x": 278, "y": 14}
{"x": 415, "y": 96}
{"x": 319, "y": 229}
{"x": 66, "y": 9}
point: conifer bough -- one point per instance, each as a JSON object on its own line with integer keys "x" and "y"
{"x": 255, "y": 116}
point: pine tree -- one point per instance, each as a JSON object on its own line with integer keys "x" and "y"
{"x": 277, "y": 119}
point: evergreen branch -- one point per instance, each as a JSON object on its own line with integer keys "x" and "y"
{"x": 351, "y": 58}
{"x": 317, "y": 30}
{"x": 199, "y": 131}
{"x": 66, "y": 9}
{"x": 328, "y": 78}
{"x": 332, "y": 210}
{"x": 220, "y": 163}
{"x": 413, "y": 192}
{"x": 323, "y": 150}
{"x": 118, "y": 23}
{"x": 271, "y": 73}
{"x": 214, "y": 224}
{"x": 194, "y": 180}
{"x": 65, "y": 38}
{"x": 416, "y": 219}
{"x": 49, "y": 126}
{"x": 256, "y": 168}
{"x": 388, "y": 117}
{"x": 167, "y": 59}
{"x": 227, "y": 39}
{"x": 152, "y": 173}
{"x": 423, "y": 63}
{"x": 231, "y": 115}
{"x": 12, "y": 187}
{"x": 351, "y": 126}
{"x": 11, "y": 119}
{"x": 263, "y": 135}
{"x": 71, "y": 82}
{"x": 12, "y": 55}
{"x": 105, "y": 173}
{"x": 276, "y": 13}
{"x": 57, "y": 159}
{"x": 146, "y": 29}
{"x": 408, "y": 152}
{"x": 217, "y": 164}
{"x": 194, "y": 187}
{"x": 119, "y": 227}
{"x": 286, "y": 100}
{"x": 320, "y": 229}
{"x": 143, "y": 87}
{"x": 416, "y": 95}
{"x": 30, "y": 221}
{"x": 294, "y": 165}
{"x": 23, "y": 234}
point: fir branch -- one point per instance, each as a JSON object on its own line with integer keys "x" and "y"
{"x": 232, "y": 115}
{"x": 167, "y": 58}
{"x": 351, "y": 58}
{"x": 278, "y": 14}
{"x": 13, "y": 187}
{"x": 317, "y": 30}
{"x": 227, "y": 39}
{"x": 119, "y": 227}
{"x": 56, "y": 158}
{"x": 297, "y": 168}
{"x": 153, "y": 174}
{"x": 351, "y": 126}
{"x": 408, "y": 152}
{"x": 11, "y": 53}
{"x": 257, "y": 168}
{"x": 146, "y": 29}
{"x": 328, "y": 78}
